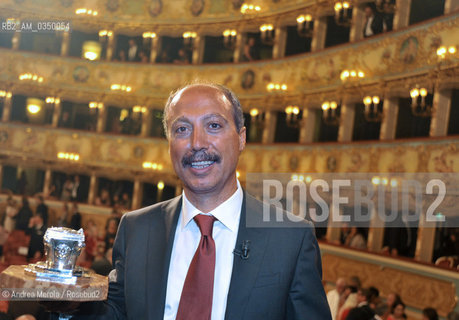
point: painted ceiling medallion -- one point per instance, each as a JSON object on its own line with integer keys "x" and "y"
{"x": 155, "y": 7}
{"x": 112, "y": 5}
{"x": 197, "y": 6}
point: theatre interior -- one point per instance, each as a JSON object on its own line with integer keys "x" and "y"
{"x": 328, "y": 87}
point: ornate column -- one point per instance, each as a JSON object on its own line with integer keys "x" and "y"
{"x": 269, "y": 130}
{"x": 65, "y": 43}
{"x": 198, "y": 50}
{"x": 137, "y": 194}
{"x": 146, "y": 123}
{"x": 15, "y": 41}
{"x": 346, "y": 126}
{"x": 47, "y": 181}
{"x": 320, "y": 32}
{"x": 56, "y": 113}
{"x": 7, "y": 104}
{"x": 154, "y": 49}
{"x": 308, "y": 125}
{"x": 241, "y": 38}
{"x": 451, "y": 6}
{"x": 358, "y": 23}
{"x": 280, "y": 43}
{"x": 111, "y": 43}
{"x": 441, "y": 111}
{"x": 375, "y": 233}
{"x": 425, "y": 241}
{"x": 389, "y": 121}
{"x": 92, "y": 194}
{"x": 402, "y": 14}
{"x": 101, "y": 119}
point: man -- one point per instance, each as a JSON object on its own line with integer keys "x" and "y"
{"x": 363, "y": 310}
{"x": 133, "y": 51}
{"x": 374, "y": 23}
{"x": 42, "y": 209}
{"x": 193, "y": 257}
{"x": 335, "y": 297}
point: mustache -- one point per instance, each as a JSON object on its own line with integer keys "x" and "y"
{"x": 199, "y": 155}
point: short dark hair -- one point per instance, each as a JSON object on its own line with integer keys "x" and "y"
{"x": 430, "y": 313}
{"x": 238, "y": 114}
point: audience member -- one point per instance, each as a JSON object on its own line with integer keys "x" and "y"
{"x": 42, "y": 209}
{"x": 37, "y": 229}
{"x": 143, "y": 57}
{"x": 24, "y": 215}
{"x": 398, "y": 312}
{"x": 133, "y": 51}
{"x": 22, "y": 183}
{"x": 452, "y": 316}
{"x": 11, "y": 210}
{"x": 382, "y": 311}
{"x": 335, "y": 297}
{"x": 64, "y": 121}
{"x": 91, "y": 238}
{"x": 125, "y": 202}
{"x": 351, "y": 297}
{"x": 104, "y": 198}
{"x": 101, "y": 265}
{"x": 392, "y": 299}
{"x": 62, "y": 220}
{"x": 122, "y": 56}
{"x": 75, "y": 219}
{"x": 182, "y": 57}
{"x": 374, "y": 297}
{"x": 429, "y": 314}
{"x": 76, "y": 190}
{"x": 374, "y": 23}
{"x": 67, "y": 189}
{"x": 110, "y": 232}
{"x": 250, "y": 53}
{"x": 362, "y": 311}
{"x": 355, "y": 238}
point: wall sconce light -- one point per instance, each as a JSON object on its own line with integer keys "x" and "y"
{"x": 276, "y": 87}
{"x": 52, "y": 100}
{"x": 443, "y": 52}
{"x": 292, "y": 116}
{"x": 351, "y": 75}
{"x": 34, "y": 105}
{"x": 31, "y": 77}
{"x": 305, "y": 25}
{"x": 120, "y": 87}
{"x": 189, "y": 39}
{"x": 152, "y": 165}
{"x": 104, "y": 35}
{"x": 68, "y": 156}
{"x": 91, "y": 50}
{"x": 420, "y": 109}
{"x": 229, "y": 38}
{"x": 343, "y": 13}
{"x": 148, "y": 37}
{"x": 85, "y": 11}
{"x": 96, "y": 105}
{"x": 247, "y": 8}
{"x": 330, "y": 114}
{"x": 140, "y": 109}
{"x": 267, "y": 34}
{"x": 372, "y": 112}
{"x": 256, "y": 116}
{"x": 5, "y": 94}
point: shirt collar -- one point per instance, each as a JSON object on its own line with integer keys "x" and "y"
{"x": 227, "y": 213}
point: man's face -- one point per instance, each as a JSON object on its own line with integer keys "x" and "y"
{"x": 204, "y": 144}
{"x": 368, "y": 12}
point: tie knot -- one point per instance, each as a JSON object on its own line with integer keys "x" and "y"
{"x": 205, "y": 224}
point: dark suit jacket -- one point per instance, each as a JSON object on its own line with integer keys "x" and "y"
{"x": 281, "y": 279}
{"x": 377, "y": 25}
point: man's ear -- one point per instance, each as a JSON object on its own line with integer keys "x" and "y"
{"x": 242, "y": 138}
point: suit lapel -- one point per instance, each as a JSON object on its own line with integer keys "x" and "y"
{"x": 245, "y": 271}
{"x": 160, "y": 241}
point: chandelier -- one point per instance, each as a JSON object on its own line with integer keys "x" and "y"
{"x": 305, "y": 25}
{"x": 343, "y": 13}
{"x": 330, "y": 114}
{"x": 247, "y": 8}
{"x": 419, "y": 106}
{"x": 229, "y": 38}
{"x": 372, "y": 112}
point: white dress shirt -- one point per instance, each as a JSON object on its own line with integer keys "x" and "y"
{"x": 333, "y": 302}
{"x": 186, "y": 241}
{"x": 368, "y": 30}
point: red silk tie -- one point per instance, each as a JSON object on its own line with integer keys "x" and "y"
{"x": 196, "y": 300}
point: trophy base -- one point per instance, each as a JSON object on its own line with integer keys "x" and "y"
{"x": 35, "y": 282}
